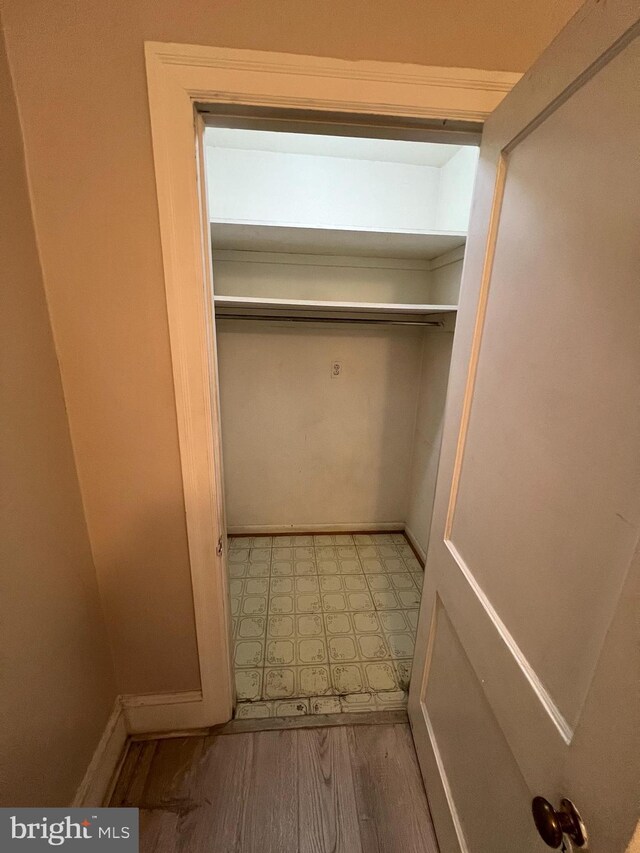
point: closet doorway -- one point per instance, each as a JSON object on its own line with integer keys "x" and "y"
{"x": 336, "y": 264}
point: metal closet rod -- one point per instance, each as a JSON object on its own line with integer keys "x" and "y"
{"x": 363, "y": 320}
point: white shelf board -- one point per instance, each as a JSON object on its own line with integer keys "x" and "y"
{"x": 260, "y": 237}
{"x": 310, "y": 308}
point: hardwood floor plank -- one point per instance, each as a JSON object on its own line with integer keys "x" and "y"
{"x": 270, "y": 818}
{"x": 131, "y": 791}
{"x": 219, "y": 787}
{"x": 127, "y": 772}
{"x": 327, "y": 817}
{"x": 158, "y": 831}
{"x": 171, "y": 773}
{"x": 392, "y": 805}
{"x": 350, "y": 789}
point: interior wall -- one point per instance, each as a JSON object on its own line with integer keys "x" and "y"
{"x": 265, "y": 274}
{"x": 434, "y": 376}
{"x": 57, "y": 687}
{"x": 455, "y": 190}
{"x": 321, "y": 192}
{"x": 304, "y": 448}
{"x": 80, "y": 82}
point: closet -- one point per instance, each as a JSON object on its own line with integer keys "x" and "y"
{"x": 336, "y": 270}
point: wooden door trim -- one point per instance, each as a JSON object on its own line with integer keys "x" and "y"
{"x": 182, "y": 78}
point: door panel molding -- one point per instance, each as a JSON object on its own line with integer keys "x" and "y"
{"x": 565, "y": 730}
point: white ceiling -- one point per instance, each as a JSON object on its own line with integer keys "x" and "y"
{"x": 351, "y": 147}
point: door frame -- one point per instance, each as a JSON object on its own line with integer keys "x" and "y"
{"x": 182, "y": 81}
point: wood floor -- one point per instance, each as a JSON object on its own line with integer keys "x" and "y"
{"x": 345, "y": 789}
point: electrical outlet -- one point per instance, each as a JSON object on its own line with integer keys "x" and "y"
{"x": 336, "y": 369}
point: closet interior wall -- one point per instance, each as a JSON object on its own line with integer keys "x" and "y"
{"x": 305, "y": 449}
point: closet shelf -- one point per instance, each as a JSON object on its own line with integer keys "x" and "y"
{"x": 366, "y": 242}
{"x": 266, "y": 307}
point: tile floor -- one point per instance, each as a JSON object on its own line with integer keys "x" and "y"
{"x": 322, "y": 624}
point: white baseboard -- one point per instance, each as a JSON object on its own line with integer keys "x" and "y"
{"x": 416, "y": 545}
{"x": 274, "y": 529}
{"x": 95, "y": 787}
{"x": 164, "y": 712}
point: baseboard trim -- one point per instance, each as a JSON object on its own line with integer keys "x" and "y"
{"x": 95, "y": 788}
{"x": 158, "y": 712}
{"x": 309, "y": 529}
{"x": 417, "y": 548}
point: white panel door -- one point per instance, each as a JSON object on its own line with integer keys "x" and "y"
{"x": 526, "y": 673}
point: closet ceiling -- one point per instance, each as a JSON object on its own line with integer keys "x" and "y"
{"x": 383, "y": 150}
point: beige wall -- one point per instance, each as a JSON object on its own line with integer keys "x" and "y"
{"x": 302, "y": 447}
{"x": 80, "y": 83}
{"x": 56, "y": 684}
{"x": 432, "y": 392}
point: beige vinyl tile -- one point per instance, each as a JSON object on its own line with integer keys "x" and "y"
{"x": 394, "y": 620}
{"x": 409, "y": 598}
{"x": 251, "y": 627}
{"x": 280, "y": 626}
{"x": 373, "y": 647}
{"x": 400, "y": 645}
{"x": 343, "y": 648}
{"x": 331, "y": 583}
{"x": 311, "y": 650}
{"x": 279, "y": 682}
{"x": 309, "y": 583}
{"x": 323, "y": 623}
{"x": 254, "y": 605}
{"x": 281, "y": 652}
{"x": 238, "y": 555}
{"x": 347, "y": 678}
{"x": 403, "y": 672}
{"x": 309, "y": 625}
{"x": 366, "y": 622}
{"x": 380, "y": 676}
{"x": 386, "y": 600}
{"x": 347, "y": 552}
{"x": 260, "y": 555}
{"x": 326, "y": 552}
{"x": 367, "y": 552}
{"x": 281, "y": 585}
{"x": 359, "y": 601}
{"x": 314, "y": 680}
{"x": 379, "y": 582}
{"x": 249, "y": 684}
{"x": 249, "y": 654}
{"x": 338, "y": 623}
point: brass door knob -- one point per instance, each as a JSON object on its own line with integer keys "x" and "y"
{"x": 552, "y": 824}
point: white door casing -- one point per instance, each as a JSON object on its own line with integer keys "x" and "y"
{"x": 526, "y": 673}
{"x": 179, "y": 78}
